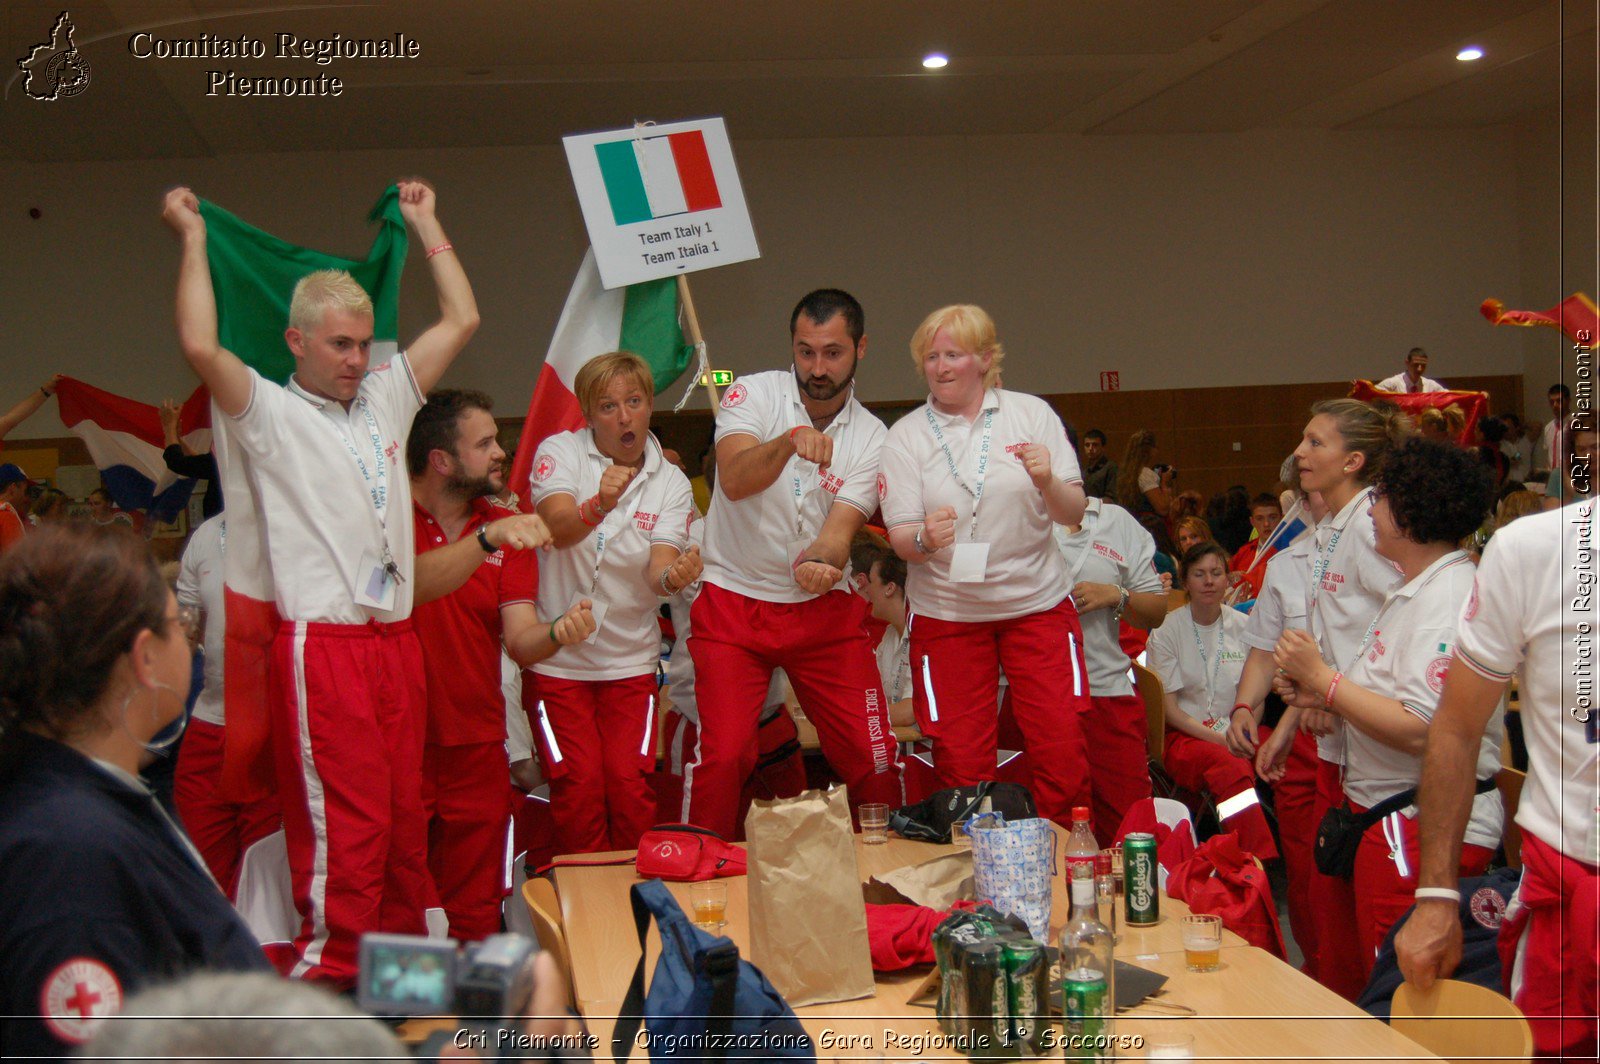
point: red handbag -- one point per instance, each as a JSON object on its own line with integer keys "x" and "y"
{"x": 683, "y": 853}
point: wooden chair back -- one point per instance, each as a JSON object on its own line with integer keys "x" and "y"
{"x": 544, "y": 909}
{"x": 1462, "y": 1022}
{"x": 1153, "y": 694}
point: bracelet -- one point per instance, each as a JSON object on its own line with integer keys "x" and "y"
{"x": 483, "y": 539}
{"x": 446, "y": 246}
{"x": 581, "y": 506}
{"x": 792, "y": 431}
{"x": 1237, "y": 706}
{"x": 601, "y": 510}
{"x": 1122, "y": 603}
{"x": 1333, "y": 685}
{"x": 47, "y": 393}
{"x": 553, "y": 638}
{"x": 665, "y": 590}
{"x": 1437, "y": 894}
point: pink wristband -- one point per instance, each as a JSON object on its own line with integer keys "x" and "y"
{"x": 446, "y": 246}
{"x": 1333, "y": 685}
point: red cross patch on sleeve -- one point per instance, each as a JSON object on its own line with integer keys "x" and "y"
{"x": 78, "y": 995}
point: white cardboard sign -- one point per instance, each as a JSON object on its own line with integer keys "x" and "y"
{"x": 660, "y": 200}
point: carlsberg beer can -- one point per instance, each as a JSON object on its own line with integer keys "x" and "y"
{"x": 1141, "y": 884}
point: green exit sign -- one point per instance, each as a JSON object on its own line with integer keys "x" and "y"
{"x": 720, "y": 377}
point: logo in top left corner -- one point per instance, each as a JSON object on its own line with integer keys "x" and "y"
{"x": 55, "y": 69}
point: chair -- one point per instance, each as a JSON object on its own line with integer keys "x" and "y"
{"x": 1510, "y": 781}
{"x": 1462, "y": 1022}
{"x": 1152, "y": 693}
{"x": 544, "y": 909}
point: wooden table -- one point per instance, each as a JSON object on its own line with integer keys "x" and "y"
{"x": 1255, "y": 1007}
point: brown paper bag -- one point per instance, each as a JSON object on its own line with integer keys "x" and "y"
{"x": 808, "y": 923}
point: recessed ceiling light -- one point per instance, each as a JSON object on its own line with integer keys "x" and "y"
{"x": 1467, "y": 55}
{"x": 935, "y": 60}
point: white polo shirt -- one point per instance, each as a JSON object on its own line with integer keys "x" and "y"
{"x": 894, "y": 663}
{"x": 331, "y": 488}
{"x": 610, "y": 563}
{"x": 1348, "y": 582}
{"x": 1397, "y": 383}
{"x": 1534, "y": 605}
{"x": 200, "y": 587}
{"x": 747, "y": 542}
{"x": 1407, "y": 659}
{"x": 1110, "y": 547}
{"x": 1023, "y": 574}
{"x": 1282, "y": 602}
{"x": 1200, "y": 664}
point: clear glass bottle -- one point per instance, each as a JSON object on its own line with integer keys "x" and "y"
{"x": 1088, "y": 988}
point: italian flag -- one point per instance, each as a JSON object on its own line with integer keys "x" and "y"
{"x": 657, "y": 177}
{"x": 253, "y": 274}
{"x": 641, "y": 318}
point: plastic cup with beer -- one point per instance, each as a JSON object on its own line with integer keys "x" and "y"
{"x": 874, "y": 822}
{"x": 710, "y": 901}
{"x": 1202, "y": 942}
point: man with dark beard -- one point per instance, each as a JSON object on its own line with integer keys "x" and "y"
{"x": 476, "y": 581}
{"x": 797, "y": 476}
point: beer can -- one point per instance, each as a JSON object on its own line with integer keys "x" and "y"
{"x": 1084, "y": 1013}
{"x": 1027, "y": 992}
{"x": 988, "y": 1016}
{"x": 1141, "y": 879}
{"x": 948, "y": 937}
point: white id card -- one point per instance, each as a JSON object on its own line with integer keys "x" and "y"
{"x": 375, "y": 585}
{"x": 968, "y": 562}
{"x": 597, "y": 607}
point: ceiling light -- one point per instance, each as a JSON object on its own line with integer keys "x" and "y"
{"x": 935, "y": 60}
{"x": 1467, "y": 55}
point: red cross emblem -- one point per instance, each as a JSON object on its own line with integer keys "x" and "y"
{"x": 77, "y": 996}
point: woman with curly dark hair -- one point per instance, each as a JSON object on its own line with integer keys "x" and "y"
{"x": 100, "y": 891}
{"x": 1429, "y": 496}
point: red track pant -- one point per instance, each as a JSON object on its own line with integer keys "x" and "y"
{"x": 347, "y": 731}
{"x": 1117, "y": 735}
{"x": 822, "y": 645}
{"x": 1295, "y": 798}
{"x": 780, "y": 767}
{"x": 955, "y": 687}
{"x": 1211, "y": 767}
{"x": 1550, "y": 950}
{"x": 597, "y": 745}
{"x": 220, "y": 830}
{"x": 1333, "y": 905}
{"x": 1382, "y": 893}
{"x": 468, "y": 806}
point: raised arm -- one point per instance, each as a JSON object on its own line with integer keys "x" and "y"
{"x": 441, "y": 572}
{"x": 431, "y": 353}
{"x": 747, "y": 466}
{"x": 228, "y": 379}
{"x": 28, "y": 407}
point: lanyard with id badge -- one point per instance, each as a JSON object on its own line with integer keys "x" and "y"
{"x": 969, "y": 560}
{"x": 377, "y": 578}
{"x": 608, "y": 530}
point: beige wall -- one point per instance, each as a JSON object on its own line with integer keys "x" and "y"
{"x": 1180, "y": 261}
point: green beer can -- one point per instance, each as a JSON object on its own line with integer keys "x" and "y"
{"x": 1085, "y": 1013}
{"x": 1141, "y": 879}
{"x": 1027, "y": 992}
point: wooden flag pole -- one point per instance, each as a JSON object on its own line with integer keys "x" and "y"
{"x": 692, "y": 321}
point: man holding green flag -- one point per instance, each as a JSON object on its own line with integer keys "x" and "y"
{"x": 320, "y": 528}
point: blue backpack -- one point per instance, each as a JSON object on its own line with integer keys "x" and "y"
{"x": 704, "y": 1002}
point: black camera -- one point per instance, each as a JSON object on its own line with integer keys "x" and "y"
{"x": 483, "y": 983}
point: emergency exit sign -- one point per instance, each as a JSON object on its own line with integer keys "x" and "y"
{"x": 1110, "y": 380}
{"x": 720, "y": 377}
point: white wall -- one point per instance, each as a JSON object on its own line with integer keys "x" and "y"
{"x": 1180, "y": 260}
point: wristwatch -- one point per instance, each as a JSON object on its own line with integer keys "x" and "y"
{"x": 483, "y": 539}
{"x": 917, "y": 542}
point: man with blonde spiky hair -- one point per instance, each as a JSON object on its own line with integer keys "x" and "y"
{"x": 324, "y": 460}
